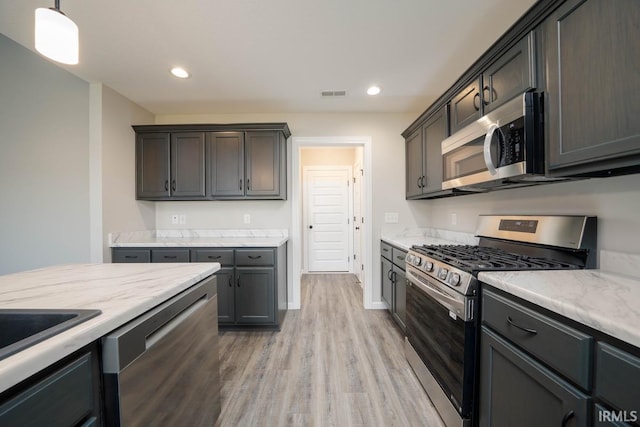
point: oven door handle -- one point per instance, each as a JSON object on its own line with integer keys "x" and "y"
{"x": 449, "y": 302}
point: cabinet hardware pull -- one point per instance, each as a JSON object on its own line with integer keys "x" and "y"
{"x": 131, "y": 256}
{"x": 230, "y": 282}
{"x": 166, "y": 185}
{"x": 512, "y": 323}
{"x": 170, "y": 257}
{"x": 485, "y": 98}
{"x": 476, "y": 96}
{"x": 389, "y": 274}
{"x": 567, "y": 417}
{"x": 394, "y": 276}
{"x": 418, "y": 182}
{"x": 173, "y": 185}
{"x": 248, "y": 183}
{"x": 214, "y": 257}
{"x": 238, "y": 281}
{"x": 241, "y": 184}
{"x": 255, "y": 256}
{"x": 423, "y": 181}
{"x": 401, "y": 258}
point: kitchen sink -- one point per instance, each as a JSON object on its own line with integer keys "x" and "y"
{"x": 20, "y": 328}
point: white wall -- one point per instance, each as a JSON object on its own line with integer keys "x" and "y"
{"x": 120, "y": 210}
{"x": 44, "y": 162}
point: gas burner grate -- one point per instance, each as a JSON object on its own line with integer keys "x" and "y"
{"x": 481, "y": 258}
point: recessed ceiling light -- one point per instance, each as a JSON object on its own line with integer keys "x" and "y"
{"x": 180, "y": 72}
{"x": 374, "y": 90}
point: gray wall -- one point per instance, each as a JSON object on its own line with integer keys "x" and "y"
{"x": 44, "y": 162}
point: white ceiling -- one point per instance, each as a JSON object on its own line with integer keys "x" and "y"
{"x": 275, "y": 56}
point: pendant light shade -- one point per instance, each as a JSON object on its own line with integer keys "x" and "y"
{"x": 56, "y": 35}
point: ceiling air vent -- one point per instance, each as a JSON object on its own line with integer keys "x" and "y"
{"x": 330, "y": 93}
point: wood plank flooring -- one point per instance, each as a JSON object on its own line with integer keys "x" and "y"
{"x": 332, "y": 364}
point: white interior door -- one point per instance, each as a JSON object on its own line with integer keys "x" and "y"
{"x": 328, "y": 219}
{"x": 358, "y": 266}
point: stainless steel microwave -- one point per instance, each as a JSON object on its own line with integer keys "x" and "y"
{"x": 504, "y": 148}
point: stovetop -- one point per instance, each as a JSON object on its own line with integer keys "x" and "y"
{"x": 479, "y": 258}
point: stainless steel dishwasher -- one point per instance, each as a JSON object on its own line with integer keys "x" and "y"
{"x": 162, "y": 368}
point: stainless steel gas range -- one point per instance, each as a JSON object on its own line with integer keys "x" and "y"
{"x": 442, "y": 297}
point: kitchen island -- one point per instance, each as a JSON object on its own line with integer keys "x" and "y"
{"x": 121, "y": 292}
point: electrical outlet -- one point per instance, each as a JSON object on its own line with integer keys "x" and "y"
{"x": 391, "y": 217}
{"x": 183, "y": 219}
{"x": 247, "y": 219}
{"x": 174, "y": 219}
{"x": 454, "y": 219}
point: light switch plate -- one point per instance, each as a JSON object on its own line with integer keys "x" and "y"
{"x": 247, "y": 219}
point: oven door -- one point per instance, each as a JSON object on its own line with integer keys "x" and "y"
{"x": 442, "y": 329}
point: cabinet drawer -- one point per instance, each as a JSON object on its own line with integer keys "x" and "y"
{"x": 170, "y": 255}
{"x": 398, "y": 257}
{"x": 386, "y": 250}
{"x": 223, "y": 256}
{"x": 63, "y": 399}
{"x": 253, "y": 257}
{"x": 617, "y": 377}
{"x": 565, "y": 349}
{"x": 131, "y": 255}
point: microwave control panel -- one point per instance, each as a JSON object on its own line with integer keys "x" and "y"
{"x": 512, "y": 141}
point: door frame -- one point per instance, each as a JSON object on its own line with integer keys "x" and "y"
{"x": 305, "y": 212}
{"x": 296, "y": 212}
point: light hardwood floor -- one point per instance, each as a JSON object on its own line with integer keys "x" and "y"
{"x": 332, "y": 364}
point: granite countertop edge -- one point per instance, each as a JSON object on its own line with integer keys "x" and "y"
{"x": 209, "y": 238}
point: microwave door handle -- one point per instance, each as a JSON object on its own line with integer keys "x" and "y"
{"x": 487, "y": 148}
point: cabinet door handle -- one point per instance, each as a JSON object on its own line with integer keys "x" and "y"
{"x": 522, "y": 328}
{"x": 418, "y": 182}
{"x": 476, "y": 97}
{"x": 238, "y": 281}
{"x": 389, "y": 274}
{"x": 214, "y": 257}
{"x": 486, "y": 92}
{"x": 241, "y": 184}
{"x": 401, "y": 258}
{"x": 170, "y": 257}
{"x": 567, "y": 417}
{"x": 423, "y": 181}
{"x": 394, "y": 276}
{"x": 248, "y": 183}
{"x": 255, "y": 256}
{"x": 166, "y": 185}
{"x": 131, "y": 256}
{"x": 173, "y": 185}
{"x": 230, "y": 282}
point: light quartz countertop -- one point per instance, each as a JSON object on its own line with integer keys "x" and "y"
{"x": 408, "y": 237}
{"x": 604, "y": 301}
{"x": 199, "y": 238}
{"x": 121, "y": 291}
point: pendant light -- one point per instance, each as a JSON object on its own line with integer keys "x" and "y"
{"x": 56, "y": 35}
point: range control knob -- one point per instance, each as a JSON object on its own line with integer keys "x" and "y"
{"x": 442, "y": 274}
{"x": 454, "y": 279}
{"x": 428, "y": 266}
{"x": 417, "y": 261}
{"x": 409, "y": 258}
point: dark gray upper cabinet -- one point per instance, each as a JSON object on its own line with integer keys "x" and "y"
{"x": 510, "y": 75}
{"x": 423, "y": 150}
{"x": 226, "y": 164}
{"x": 466, "y": 106}
{"x": 187, "y": 164}
{"x": 593, "y": 87}
{"x": 170, "y": 165}
{"x": 212, "y": 162}
{"x": 264, "y": 170}
{"x": 415, "y": 161}
{"x": 152, "y": 165}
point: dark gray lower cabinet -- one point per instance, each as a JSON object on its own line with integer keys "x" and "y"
{"x": 516, "y": 390}
{"x": 394, "y": 282}
{"x": 252, "y": 282}
{"x": 66, "y": 394}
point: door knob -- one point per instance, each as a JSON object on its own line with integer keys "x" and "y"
{"x": 310, "y": 227}
{"x": 357, "y": 228}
